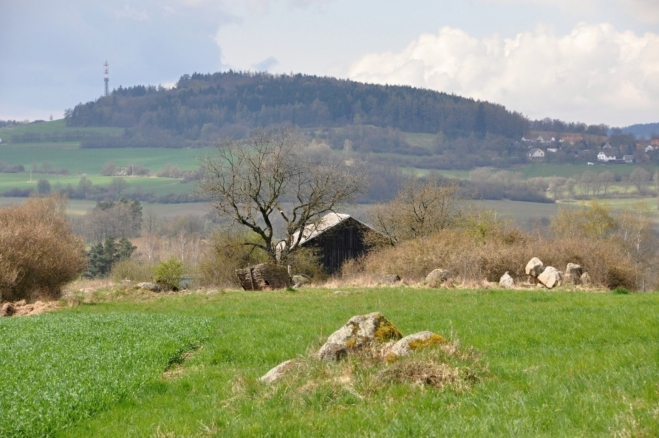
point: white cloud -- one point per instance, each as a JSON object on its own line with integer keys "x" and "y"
{"x": 132, "y": 13}
{"x": 306, "y": 3}
{"x": 593, "y": 74}
{"x": 643, "y": 10}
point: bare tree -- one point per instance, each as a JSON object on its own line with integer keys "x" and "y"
{"x": 422, "y": 207}
{"x": 640, "y": 177}
{"x": 606, "y": 179}
{"x": 640, "y": 243}
{"x": 267, "y": 180}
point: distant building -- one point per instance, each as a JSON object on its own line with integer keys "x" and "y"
{"x": 648, "y": 148}
{"x": 336, "y": 238}
{"x": 536, "y": 153}
{"x": 605, "y": 157}
{"x": 628, "y": 159}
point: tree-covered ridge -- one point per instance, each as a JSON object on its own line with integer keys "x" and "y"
{"x": 202, "y": 105}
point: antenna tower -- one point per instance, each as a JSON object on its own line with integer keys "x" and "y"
{"x": 107, "y": 78}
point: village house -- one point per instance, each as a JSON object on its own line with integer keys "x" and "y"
{"x": 606, "y": 157}
{"x": 536, "y": 153}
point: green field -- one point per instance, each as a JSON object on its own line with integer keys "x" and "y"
{"x": 159, "y": 186}
{"x": 59, "y": 368}
{"x": 559, "y": 364}
{"x": 54, "y": 127}
{"x": 91, "y": 161}
{"x": 575, "y": 170}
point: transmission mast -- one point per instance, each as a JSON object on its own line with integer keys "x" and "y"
{"x": 107, "y": 78}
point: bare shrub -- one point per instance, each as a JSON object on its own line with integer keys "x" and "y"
{"x": 225, "y": 252}
{"x": 306, "y": 261}
{"x": 38, "y": 251}
{"x": 133, "y": 270}
{"x": 422, "y": 207}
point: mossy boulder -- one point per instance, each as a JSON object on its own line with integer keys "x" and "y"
{"x": 359, "y": 332}
{"x": 414, "y": 342}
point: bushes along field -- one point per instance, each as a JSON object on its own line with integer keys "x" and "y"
{"x": 38, "y": 251}
{"x": 57, "y": 369}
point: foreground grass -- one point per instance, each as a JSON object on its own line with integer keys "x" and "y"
{"x": 59, "y": 368}
{"x": 559, "y": 364}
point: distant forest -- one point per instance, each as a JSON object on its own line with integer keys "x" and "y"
{"x": 376, "y": 122}
{"x": 202, "y": 106}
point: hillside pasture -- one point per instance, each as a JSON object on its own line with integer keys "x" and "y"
{"x": 557, "y": 364}
{"x": 91, "y": 161}
{"x": 57, "y": 127}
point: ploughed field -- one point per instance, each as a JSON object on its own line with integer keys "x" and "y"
{"x": 549, "y": 364}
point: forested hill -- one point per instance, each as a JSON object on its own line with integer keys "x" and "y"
{"x": 203, "y": 106}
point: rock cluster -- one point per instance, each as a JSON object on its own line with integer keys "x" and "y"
{"x": 361, "y": 332}
{"x": 551, "y": 277}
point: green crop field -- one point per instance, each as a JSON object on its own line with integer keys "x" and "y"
{"x": 91, "y": 161}
{"x": 54, "y": 127}
{"x": 160, "y": 186}
{"x": 554, "y": 364}
{"x": 575, "y": 170}
{"x": 57, "y": 369}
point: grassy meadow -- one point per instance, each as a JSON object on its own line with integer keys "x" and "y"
{"x": 551, "y": 364}
{"x": 59, "y": 368}
{"x": 57, "y": 127}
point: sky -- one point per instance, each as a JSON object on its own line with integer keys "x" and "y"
{"x": 592, "y": 61}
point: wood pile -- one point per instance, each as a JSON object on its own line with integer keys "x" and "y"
{"x": 266, "y": 276}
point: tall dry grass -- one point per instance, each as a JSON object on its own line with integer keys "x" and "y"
{"x": 472, "y": 257}
{"x": 38, "y": 251}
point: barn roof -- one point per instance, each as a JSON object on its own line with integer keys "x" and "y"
{"x": 315, "y": 229}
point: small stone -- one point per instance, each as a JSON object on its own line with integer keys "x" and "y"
{"x": 585, "y": 279}
{"x": 506, "y": 280}
{"x": 278, "y": 372}
{"x": 573, "y": 273}
{"x": 437, "y": 277}
{"x": 149, "y": 286}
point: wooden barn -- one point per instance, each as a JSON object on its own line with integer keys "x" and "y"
{"x": 337, "y": 237}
